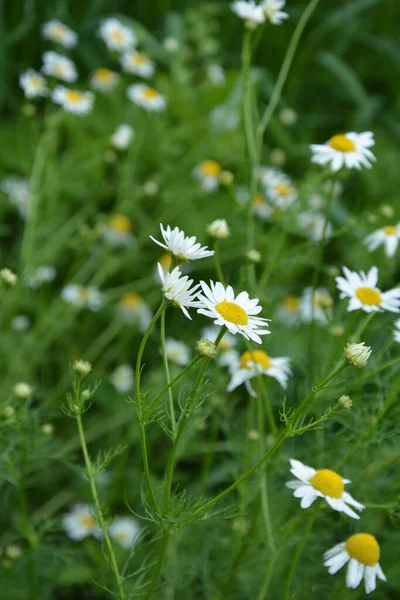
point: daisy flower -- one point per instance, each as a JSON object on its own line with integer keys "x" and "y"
{"x": 324, "y": 483}
{"x": 122, "y": 379}
{"x": 362, "y": 552}
{"x": 250, "y": 364}
{"x": 41, "y": 275}
{"x": 363, "y": 293}
{"x": 165, "y": 261}
{"x": 312, "y": 225}
{"x": 146, "y": 97}
{"x": 115, "y": 35}
{"x": 177, "y": 289}
{"x": 208, "y": 174}
{"x": 351, "y": 150}
{"x": 80, "y": 523}
{"x": 182, "y": 248}
{"x": 387, "y": 236}
{"x": 177, "y": 352}
{"x": 74, "y": 101}
{"x": 56, "y": 65}
{"x": 272, "y": 11}
{"x": 122, "y": 137}
{"x": 249, "y": 11}
{"x": 58, "y": 32}
{"x": 236, "y": 313}
{"x": 124, "y": 531}
{"x": 317, "y": 305}
{"x": 138, "y": 64}
{"x": 33, "y": 84}
{"x": 104, "y": 80}
{"x": 289, "y": 311}
{"x": 118, "y": 231}
{"x": 17, "y": 190}
{"x": 277, "y": 186}
{"x": 134, "y": 311}
{"x": 82, "y": 297}
{"x": 396, "y": 332}
{"x": 261, "y": 207}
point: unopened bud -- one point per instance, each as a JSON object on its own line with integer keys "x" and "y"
{"x": 345, "y": 402}
{"x": 387, "y": 211}
{"x": 82, "y": 367}
{"x": 357, "y": 354}
{"x": 254, "y": 256}
{"x": 86, "y": 395}
{"x": 226, "y": 178}
{"x": 13, "y": 551}
{"x": 206, "y": 348}
{"x": 8, "y": 277}
{"x": 218, "y": 229}
{"x": 47, "y": 428}
{"x": 22, "y": 390}
{"x": 253, "y": 435}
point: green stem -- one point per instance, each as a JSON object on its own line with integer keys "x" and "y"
{"x": 30, "y": 538}
{"x": 263, "y": 479}
{"x": 159, "y": 565}
{"x": 299, "y": 550}
{"x": 287, "y": 62}
{"x": 262, "y": 594}
{"x": 217, "y": 262}
{"x": 99, "y": 512}
{"x": 167, "y": 375}
{"x": 179, "y": 376}
{"x": 264, "y": 392}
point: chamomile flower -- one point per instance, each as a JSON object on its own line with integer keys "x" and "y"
{"x": 146, "y": 97}
{"x": 41, "y": 275}
{"x": 182, "y": 248}
{"x": 138, "y": 64}
{"x": 261, "y": 207}
{"x": 74, "y": 101}
{"x": 104, "y": 80}
{"x": 272, "y": 11}
{"x": 250, "y": 364}
{"x": 362, "y": 552}
{"x": 79, "y": 523}
{"x": 58, "y": 32}
{"x": 124, "y": 531}
{"x": 122, "y": 137}
{"x": 116, "y": 35}
{"x": 351, "y": 150}
{"x": 396, "y": 332}
{"x": 249, "y": 11}
{"x": 363, "y": 293}
{"x": 17, "y": 190}
{"x": 289, "y": 311}
{"x": 208, "y": 174}
{"x": 165, "y": 261}
{"x": 324, "y": 483}
{"x": 316, "y": 306}
{"x": 177, "y": 352}
{"x": 178, "y": 289}
{"x": 236, "y": 313}
{"x": 61, "y": 67}
{"x": 122, "y": 379}
{"x": 33, "y": 84}
{"x": 134, "y": 310}
{"x": 312, "y": 225}
{"x": 118, "y": 231}
{"x": 82, "y": 297}
{"x": 277, "y": 186}
{"x": 387, "y": 236}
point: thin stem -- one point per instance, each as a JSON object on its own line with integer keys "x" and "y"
{"x": 217, "y": 262}
{"x": 307, "y": 530}
{"x": 179, "y": 376}
{"x": 29, "y": 535}
{"x": 287, "y": 63}
{"x": 264, "y": 392}
{"x": 159, "y": 565}
{"x": 99, "y": 512}
{"x": 262, "y": 594}
{"x": 167, "y": 375}
{"x": 263, "y": 480}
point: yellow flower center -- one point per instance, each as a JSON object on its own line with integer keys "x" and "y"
{"x": 341, "y": 143}
{"x": 364, "y": 548}
{"x": 36, "y": 82}
{"x": 165, "y": 261}
{"x": 328, "y": 483}
{"x": 283, "y": 189}
{"x": 58, "y": 32}
{"x": 291, "y": 303}
{"x": 150, "y": 93}
{"x": 259, "y": 357}
{"x": 232, "y": 312}
{"x": 131, "y": 300}
{"x": 121, "y": 536}
{"x": 60, "y": 70}
{"x": 121, "y": 224}
{"x": 105, "y": 75}
{"x": 117, "y": 35}
{"x": 139, "y": 59}
{"x": 368, "y": 296}
{"x": 87, "y": 521}
{"x": 73, "y": 96}
{"x": 83, "y": 294}
{"x": 389, "y": 230}
{"x": 211, "y": 168}
{"x": 322, "y": 300}
{"x": 258, "y": 199}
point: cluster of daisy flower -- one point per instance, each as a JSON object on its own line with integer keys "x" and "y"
{"x": 256, "y": 14}
{"x": 311, "y": 305}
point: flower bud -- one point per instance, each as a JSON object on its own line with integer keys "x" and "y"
{"x": 345, "y": 402}
{"x": 226, "y": 178}
{"x": 8, "y": 277}
{"x": 387, "y": 211}
{"x": 13, "y": 551}
{"x": 86, "y": 395}
{"x": 357, "y": 354}
{"x": 218, "y": 229}
{"x": 206, "y": 348}
{"x": 82, "y": 367}
{"x": 254, "y": 256}
{"x": 22, "y": 390}
{"x": 47, "y": 428}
